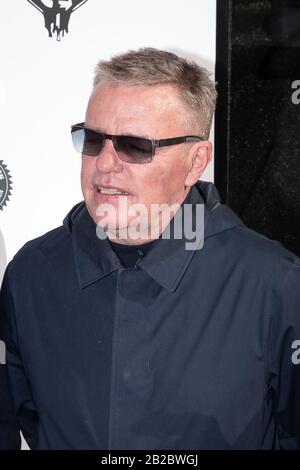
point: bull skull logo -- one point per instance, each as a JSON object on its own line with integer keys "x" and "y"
{"x": 57, "y": 15}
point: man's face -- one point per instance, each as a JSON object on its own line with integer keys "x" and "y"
{"x": 147, "y": 111}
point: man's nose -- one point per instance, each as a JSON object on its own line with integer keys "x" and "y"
{"x": 108, "y": 160}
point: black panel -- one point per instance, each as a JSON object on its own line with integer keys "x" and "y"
{"x": 257, "y": 159}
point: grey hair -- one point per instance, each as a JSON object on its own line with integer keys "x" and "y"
{"x": 149, "y": 66}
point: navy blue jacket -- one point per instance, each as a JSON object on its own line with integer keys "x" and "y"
{"x": 189, "y": 349}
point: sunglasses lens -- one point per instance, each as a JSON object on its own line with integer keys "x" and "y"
{"x": 133, "y": 149}
{"x": 129, "y": 149}
{"x": 87, "y": 141}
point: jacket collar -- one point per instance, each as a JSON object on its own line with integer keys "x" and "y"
{"x": 167, "y": 261}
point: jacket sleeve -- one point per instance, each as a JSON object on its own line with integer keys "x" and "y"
{"x": 284, "y": 361}
{"x": 25, "y": 415}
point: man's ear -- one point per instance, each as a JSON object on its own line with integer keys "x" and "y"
{"x": 200, "y": 157}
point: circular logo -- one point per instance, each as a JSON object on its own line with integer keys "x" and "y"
{"x": 5, "y": 185}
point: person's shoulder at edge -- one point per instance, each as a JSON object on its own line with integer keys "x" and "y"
{"x": 51, "y": 242}
{"x": 256, "y": 251}
{"x": 237, "y": 238}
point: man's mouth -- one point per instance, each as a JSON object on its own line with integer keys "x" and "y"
{"x": 101, "y": 190}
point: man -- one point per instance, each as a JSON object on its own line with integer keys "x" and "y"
{"x": 121, "y": 336}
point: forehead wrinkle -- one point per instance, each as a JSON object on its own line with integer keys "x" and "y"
{"x": 125, "y": 115}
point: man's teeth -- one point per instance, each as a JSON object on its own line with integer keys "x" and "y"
{"x": 110, "y": 191}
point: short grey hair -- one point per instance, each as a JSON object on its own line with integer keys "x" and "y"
{"x": 149, "y": 66}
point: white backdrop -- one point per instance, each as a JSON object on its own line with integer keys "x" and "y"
{"x": 45, "y": 85}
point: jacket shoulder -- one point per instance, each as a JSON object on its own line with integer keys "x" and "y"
{"x": 52, "y": 243}
{"x": 261, "y": 243}
{"x": 261, "y": 254}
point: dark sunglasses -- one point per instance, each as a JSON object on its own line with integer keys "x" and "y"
{"x": 129, "y": 148}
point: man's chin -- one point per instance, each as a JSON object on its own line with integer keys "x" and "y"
{"x": 110, "y": 226}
